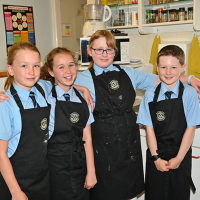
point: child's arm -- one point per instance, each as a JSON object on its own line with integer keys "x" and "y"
{"x": 86, "y": 94}
{"x": 90, "y": 179}
{"x": 8, "y": 174}
{"x": 161, "y": 164}
{"x": 174, "y": 163}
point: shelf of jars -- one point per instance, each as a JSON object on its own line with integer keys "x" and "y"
{"x": 178, "y": 16}
{"x": 123, "y": 17}
{"x": 193, "y": 24}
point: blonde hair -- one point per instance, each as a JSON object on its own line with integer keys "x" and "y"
{"x": 11, "y": 57}
{"x": 44, "y": 74}
{"x": 110, "y": 41}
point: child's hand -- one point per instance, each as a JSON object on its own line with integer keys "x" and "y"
{"x": 161, "y": 165}
{"x": 3, "y": 96}
{"x": 19, "y": 196}
{"x": 174, "y": 163}
{"x": 90, "y": 180}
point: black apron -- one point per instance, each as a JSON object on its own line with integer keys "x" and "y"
{"x": 29, "y": 160}
{"x": 116, "y": 138}
{"x": 169, "y": 124}
{"x": 66, "y": 152}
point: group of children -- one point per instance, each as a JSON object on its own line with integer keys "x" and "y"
{"x": 53, "y": 147}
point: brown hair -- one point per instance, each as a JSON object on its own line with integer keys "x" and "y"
{"x": 44, "y": 74}
{"x": 110, "y": 41}
{"x": 11, "y": 57}
{"x": 174, "y": 51}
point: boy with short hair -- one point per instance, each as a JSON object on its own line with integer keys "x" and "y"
{"x": 170, "y": 111}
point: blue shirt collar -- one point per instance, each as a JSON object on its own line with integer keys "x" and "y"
{"x": 22, "y": 93}
{"x": 98, "y": 70}
{"x": 164, "y": 89}
{"x": 60, "y": 91}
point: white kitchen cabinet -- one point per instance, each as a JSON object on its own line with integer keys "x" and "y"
{"x": 143, "y": 28}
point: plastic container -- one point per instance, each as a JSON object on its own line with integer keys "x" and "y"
{"x": 128, "y": 18}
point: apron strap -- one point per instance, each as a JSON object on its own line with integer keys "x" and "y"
{"x": 189, "y": 179}
{"x": 157, "y": 91}
{"x": 181, "y": 89}
{"x": 40, "y": 89}
{"x": 16, "y": 97}
{"x": 79, "y": 95}
{"x": 54, "y": 94}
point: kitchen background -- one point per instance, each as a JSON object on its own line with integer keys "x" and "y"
{"x": 49, "y": 15}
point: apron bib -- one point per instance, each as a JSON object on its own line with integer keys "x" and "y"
{"x": 116, "y": 138}
{"x": 66, "y": 152}
{"x": 169, "y": 124}
{"x": 29, "y": 160}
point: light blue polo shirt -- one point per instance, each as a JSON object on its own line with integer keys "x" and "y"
{"x": 139, "y": 79}
{"x": 10, "y": 117}
{"x": 190, "y": 104}
{"x": 60, "y": 97}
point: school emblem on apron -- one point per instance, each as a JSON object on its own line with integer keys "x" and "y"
{"x": 160, "y": 115}
{"x": 43, "y": 124}
{"x": 74, "y": 117}
{"x": 114, "y": 84}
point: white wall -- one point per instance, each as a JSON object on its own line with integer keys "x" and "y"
{"x": 42, "y": 13}
{"x": 69, "y": 10}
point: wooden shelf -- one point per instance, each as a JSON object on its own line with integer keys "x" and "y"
{"x": 3, "y": 74}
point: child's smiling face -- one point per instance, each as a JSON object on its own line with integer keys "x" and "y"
{"x": 64, "y": 70}
{"x": 169, "y": 70}
{"x": 25, "y": 68}
{"x": 103, "y": 60}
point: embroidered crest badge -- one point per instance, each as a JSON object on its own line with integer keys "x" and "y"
{"x": 114, "y": 85}
{"x": 160, "y": 116}
{"x": 74, "y": 117}
{"x": 43, "y": 124}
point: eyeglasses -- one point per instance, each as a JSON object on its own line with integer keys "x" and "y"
{"x": 101, "y": 51}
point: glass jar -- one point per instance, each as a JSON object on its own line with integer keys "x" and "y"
{"x": 164, "y": 16}
{"x": 157, "y": 19}
{"x": 159, "y": 1}
{"x": 186, "y": 15}
{"x": 176, "y": 15}
{"x": 190, "y": 13}
{"x": 150, "y": 2}
{"x": 160, "y": 14}
{"x": 172, "y": 15}
{"x": 181, "y": 14}
{"x": 153, "y": 16}
{"x": 164, "y": 1}
{"x": 121, "y": 17}
{"x": 154, "y": 1}
{"x": 148, "y": 16}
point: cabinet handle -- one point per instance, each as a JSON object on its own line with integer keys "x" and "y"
{"x": 196, "y": 157}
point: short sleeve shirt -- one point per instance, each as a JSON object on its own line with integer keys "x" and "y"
{"x": 190, "y": 104}
{"x": 10, "y": 118}
{"x": 139, "y": 79}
